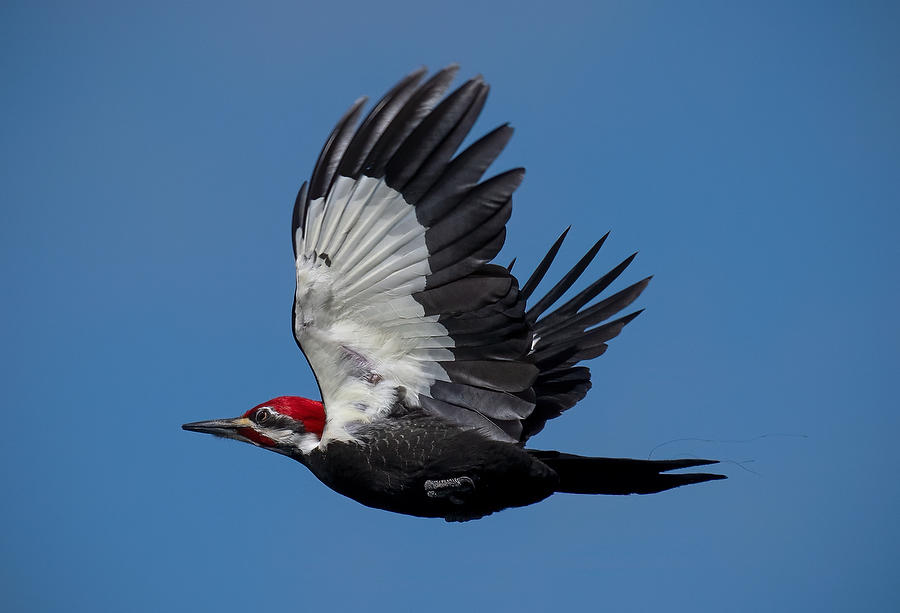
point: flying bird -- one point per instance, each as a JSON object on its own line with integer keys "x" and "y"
{"x": 434, "y": 365}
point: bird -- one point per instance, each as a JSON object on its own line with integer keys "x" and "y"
{"x": 434, "y": 365}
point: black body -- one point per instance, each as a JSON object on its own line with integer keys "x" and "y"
{"x": 394, "y": 459}
{"x": 389, "y": 467}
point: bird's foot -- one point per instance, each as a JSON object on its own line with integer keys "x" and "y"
{"x": 453, "y": 489}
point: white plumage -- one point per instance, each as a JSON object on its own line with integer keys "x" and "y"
{"x": 359, "y": 261}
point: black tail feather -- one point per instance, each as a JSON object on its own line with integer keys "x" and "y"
{"x": 583, "y": 475}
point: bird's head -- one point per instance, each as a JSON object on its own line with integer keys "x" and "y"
{"x": 288, "y": 424}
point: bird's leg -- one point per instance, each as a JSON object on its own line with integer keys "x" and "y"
{"x": 453, "y": 489}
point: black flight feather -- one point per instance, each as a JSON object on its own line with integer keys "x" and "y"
{"x": 463, "y": 173}
{"x": 375, "y": 123}
{"x": 496, "y": 429}
{"x": 326, "y": 166}
{"x": 299, "y": 214}
{"x": 448, "y": 265}
{"x": 594, "y": 289}
{"x": 537, "y": 276}
{"x": 566, "y": 282}
{"x": 436, "y": 137}
{"x": 413, "y": 112}
{"x": 500, "y": 376}
{"x": 592, "y": 315}
{"x": 461, "y": 295}
{"x": 479, "y": 205}
{"x": 492, "y": 404}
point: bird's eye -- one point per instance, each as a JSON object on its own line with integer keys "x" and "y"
{"x": 263, "y": 415}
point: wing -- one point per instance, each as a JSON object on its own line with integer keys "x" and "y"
{"x": 571, "y": 333}
{"x": 396, "y": 299}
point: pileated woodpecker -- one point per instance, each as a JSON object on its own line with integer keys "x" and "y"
{"x": 433, "y": 372}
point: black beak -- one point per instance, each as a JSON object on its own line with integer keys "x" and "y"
{"x": 219, "y": 427}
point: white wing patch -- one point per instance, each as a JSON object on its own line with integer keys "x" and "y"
{"x": 361, "y": 258}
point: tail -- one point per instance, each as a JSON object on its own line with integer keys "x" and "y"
{"x": 582, "y": 475}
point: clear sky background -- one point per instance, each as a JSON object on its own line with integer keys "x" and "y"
{"x": 750, "y": 151}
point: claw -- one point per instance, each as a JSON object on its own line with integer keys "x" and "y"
{"x": 449, "y": 488}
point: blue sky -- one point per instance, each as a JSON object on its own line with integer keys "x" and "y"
{"x": 751, "y": 152}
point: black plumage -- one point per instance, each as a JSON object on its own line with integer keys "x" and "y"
{"x": 374, "y": 124}
{"x": 460, "y": 175}
{"x": 391, "y": 468}
{"x": 470, "y": 253}
{"x": 563, "y": 285}
{"x": 581, "y": 475}
{"x": 425, "y": 153}
{"x": 325, "y": 170}
{"x": 413, "y": 112}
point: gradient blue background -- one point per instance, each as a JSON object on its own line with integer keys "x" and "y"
{"x": 150, "y": 157}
